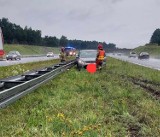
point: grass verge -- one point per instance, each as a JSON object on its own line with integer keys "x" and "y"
{"x": 90, "y": 105}
{"x": 30, "y": 50}
{"x": 6, "y": 71}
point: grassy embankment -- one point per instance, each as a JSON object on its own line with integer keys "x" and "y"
{"x": 21, "y": 68}
{"x": 30, "y": 50}
{"x": 153, "y": 50}
{"x": 77, "y": 103}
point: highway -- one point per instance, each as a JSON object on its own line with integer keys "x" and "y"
{"x": 150, "y": 63}
{"x": 26, "y": 60}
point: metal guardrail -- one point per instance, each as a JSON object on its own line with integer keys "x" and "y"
{"x": 13, "y": 88}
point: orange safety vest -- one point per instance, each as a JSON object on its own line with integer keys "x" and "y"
{"x": 101, "y": 55}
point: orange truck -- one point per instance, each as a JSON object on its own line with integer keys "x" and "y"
{"x": 2, "y": 53}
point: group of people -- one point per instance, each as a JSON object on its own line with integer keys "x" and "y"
{"x": 99, "y": 59}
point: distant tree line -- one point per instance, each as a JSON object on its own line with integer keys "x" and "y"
{"x": 79, "y": 44}
{"x": 155, "y": 39}
{"x": 15, "y": 34}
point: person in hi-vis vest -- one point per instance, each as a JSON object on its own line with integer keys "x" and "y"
{"x": 100, "y": 56}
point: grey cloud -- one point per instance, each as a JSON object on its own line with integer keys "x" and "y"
{"x": 157, "y": 2}
{"x": 3, "y": 3}
{"x": 112, "y": 1}
{"x": 79, "y": 15}
{"x": 127, "y": 23}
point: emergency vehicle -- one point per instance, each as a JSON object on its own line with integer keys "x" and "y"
{"x": 70, "y": 51}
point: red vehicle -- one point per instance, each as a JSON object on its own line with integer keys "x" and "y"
{"x": 2, "y": 53}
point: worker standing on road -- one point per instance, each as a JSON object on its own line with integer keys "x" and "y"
{"x": 100, "y": 56}
{"x": 62, "y": 55}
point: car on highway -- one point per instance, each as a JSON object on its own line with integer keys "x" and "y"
{"x": 50, "y": 54}
{"x": 143, "y": 55}
{"x": 70, "y": 51}
{"x": 13, "y": 55}
{"x": 132, "y": 54}
{"x": 86, "y": 57}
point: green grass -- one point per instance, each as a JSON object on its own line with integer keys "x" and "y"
{"x": 30, "y": 50}
{"x": 12, "y": 70}
{"x": 76, "y": 103}
{"x": 132, "y": 70}
{"x": 153, "y": 50}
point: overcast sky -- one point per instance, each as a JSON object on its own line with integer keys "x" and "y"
{"x": 127, "y": 23}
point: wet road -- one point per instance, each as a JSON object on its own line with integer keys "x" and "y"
{"x": 26, "y": 60}
{"x": 150, "y": 63}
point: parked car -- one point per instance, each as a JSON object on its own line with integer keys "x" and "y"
{"x": 143, "y": 55}
{"x": 50, "y": 54}
{"x": 13, "y": 55}
{"x": 86, "y": 57}
{"x": 132, "y": 54}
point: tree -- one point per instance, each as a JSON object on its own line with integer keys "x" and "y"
{"x": 155, "y": 37}
{"x": 63, "y": 41}
{"x": 7, "y": 29}
{"x": 16, "y": 34}
{"x": 50, "y": 41}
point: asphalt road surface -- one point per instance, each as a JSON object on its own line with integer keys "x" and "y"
{"x": 150, "y": 63}
{"x": 26, "y": 60}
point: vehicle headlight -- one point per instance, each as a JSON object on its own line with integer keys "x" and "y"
{"x": 81, "y": 62}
